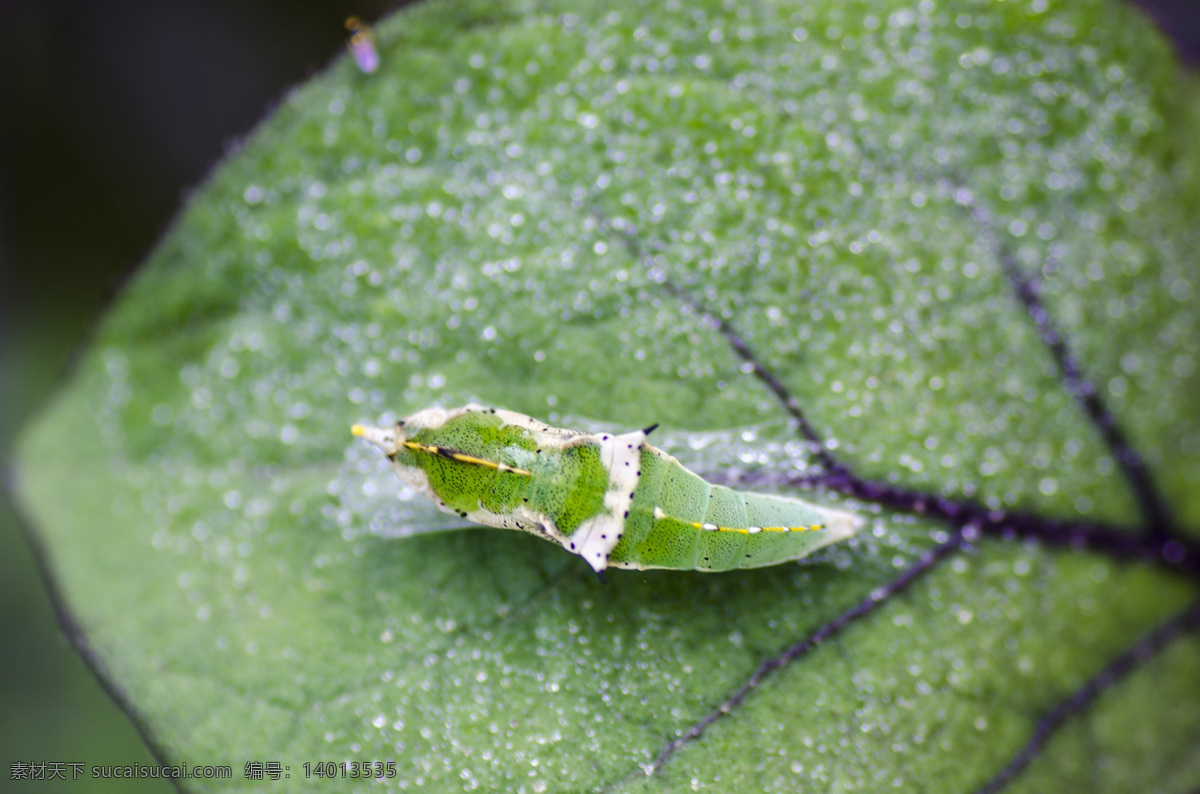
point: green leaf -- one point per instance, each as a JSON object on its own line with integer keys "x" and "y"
{"x": 509, "y": 211}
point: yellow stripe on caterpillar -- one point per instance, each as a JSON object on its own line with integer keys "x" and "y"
{"x": 706, "y": 527}
{"x": 462, "y": 457}
{"x": 660, "y": 514}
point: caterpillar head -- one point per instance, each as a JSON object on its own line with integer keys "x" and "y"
{"x": 386, "y": 438}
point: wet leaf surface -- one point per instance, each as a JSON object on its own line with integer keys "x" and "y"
{"x": 545, "y": 207}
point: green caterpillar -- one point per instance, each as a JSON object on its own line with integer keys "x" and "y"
{"x": 614, "y": 500}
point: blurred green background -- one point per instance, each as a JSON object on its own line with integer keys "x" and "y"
{"x": 109, "y": 111}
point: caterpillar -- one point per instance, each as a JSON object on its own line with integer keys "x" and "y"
{"x": 613, "y": 499}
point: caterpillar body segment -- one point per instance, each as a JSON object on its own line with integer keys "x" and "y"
{"x": 614, "y": 499}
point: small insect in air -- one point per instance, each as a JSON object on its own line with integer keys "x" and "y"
{"x": 613, "y": 499}
{"x": 361, "y": 45}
